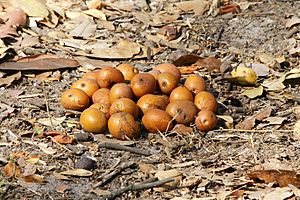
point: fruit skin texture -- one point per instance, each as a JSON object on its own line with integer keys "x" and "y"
{"x": 181, "y": 93}
{"x": 195, "y": 84}
{"x": 167, "y": 82}
{"x": 157, "y": 120}
{"x": 151, "y": 101}
{"x": 143, "y": 83}
{"x": 120, "y": 90}
{"x": 93, "y": 120}
{"x": 108, "y": 76}
{"x": 122, "y": 126}
{"x": 124, "y": 105}
{"x": 184, "y": 110}
{"x": 101, "y": 96}
{"x": 91, "y": 74}
{"x": 154, "y": 72}
{"x": 89, "y": 86}
{"x": 75, "y": 99}
{"x": 127, "y": 70}
{"x": 206, "y": 120}
{"x": 168, "y": 67}
{"x": 206, "y": 101}
{"x": 102, "y": 107}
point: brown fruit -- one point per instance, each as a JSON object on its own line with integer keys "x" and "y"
{"x": 91, "y": 74}
{"x": 181, "y": 93}
{"x": 120, "y": 90}
{"x": 89, "y": 86}
{"x": 127, "y": 70}
{"x": 155, "y": 73}
{"x": 101, "y": 96}
{"x": 168, "y": 67}
{"x": 143, "y": 83}
{"x": 206, "y": 101}
{"x": 206, "y": 120}
{"x": 122, "y": 126}
{"x": 124, "y": 105}
{"x": 167, "y": 82}
{"x": 108, "y": 76}
{"x": 195, "y": 84}
{"x": 184, "y": 111}
{"x": 93, "y": 120}
{"x": 157, "y": 120}
{"x": 102, "y": 107}
{"x": 151, "y": 101}
{"x": 75, "y": 99}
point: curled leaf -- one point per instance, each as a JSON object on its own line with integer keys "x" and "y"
{"x": 244, "y": 75}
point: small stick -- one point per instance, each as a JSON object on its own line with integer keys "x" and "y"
{"x": 135, "y": 187}
{"x": 114, "y": 173}
{"x": 124, "y": 148}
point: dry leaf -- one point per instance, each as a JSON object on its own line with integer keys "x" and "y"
{"x": 188, "y": 69}
{"x": 147, "y": 168}
{"x": 186, "y": 59}
{"x": 292, "y": 21}
{"x": 95, "y": 13}
{"x": 255, "y": 92}
{"x": 51, "y": 121}
{"x": 249, "y": 122}
{"x": 173, "y": 173}
{"x": 8, "y": 80}
{"x": 228, "y": 120}
{"x": 282, "y": 177}
{"x": 123, "y": 50}
{"x": 46, "y": 150}
{"x": 61, "y": 188}
{"x": 34, "y": 178}
{"x": 63, "y": 139}
{"x": 210, "y": 63}
{"x": 232, "y": 8}
{"x": 296, "y": 131}
{"x": 6, "y": 110}
{"x": 77, "y": 172}
{"x": 197, "y": 6}
{"x": 181, "y": 129}
{"x": 40, "y": 64}
{"x": 9, "y": 169}
{"x": 279, "y": 193}
{"x": 38, "y": 10}
{"x": 265, "y": 57}
{"x": 260, "y": 69}
{"x": 85, "y": 29}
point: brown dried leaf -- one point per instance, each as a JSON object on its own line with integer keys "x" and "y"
{"x": 38, "y": 10}
{"x": 8, "y": 80}
{"x": 249, "y": 122}
{"x": 61, "y": 188}
{"x": 292, "y": 21}
{"x": 9, "y": 169}
{"x": 63, "y": 139}
{"x": 188, "y": 69}
{"x": 282, "y": 177}
{"x": 85, "y": 29}
{"x": 173, "y": 173}
{"x": 197, "y": 6}
{"x": 6, "y": 110}
{"x": 77, "y": 172}
{"x": 14, "y": 17}
{"x": 210, "y": 63}
{"x": 40, "y": 64}
{"x": 34, "y": 178}
{"x": 182, "y": 129}
{"x": 186, "y": 59}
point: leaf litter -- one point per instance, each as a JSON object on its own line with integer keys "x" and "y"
{"x": 45, "y": 48}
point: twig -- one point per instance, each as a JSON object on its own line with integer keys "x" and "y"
{"x": 124, "y": 148}
{"x": 135, "y": 187}
{"x": 114, "y": 173}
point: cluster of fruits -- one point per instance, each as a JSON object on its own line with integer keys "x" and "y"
{"x": 121, "y": 96}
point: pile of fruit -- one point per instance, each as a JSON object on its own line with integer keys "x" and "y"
{"x": 118, "y": 99}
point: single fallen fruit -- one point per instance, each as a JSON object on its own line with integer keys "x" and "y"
{"x": 108, "y": 76}
{"x": 143, "y": 83}
{"x": 244, "y": 75}
{"x": 168, "y": 67}
{"x": 157, "y": 120}
{"x": 206, "y": 120}
{"x": 75, "y": 99}
{"x": 123, "y": 126}
{"x": 155, "y": 73}
{"x": 206, "y": 101}
{"x": 152, "y": 101}
{"x": 167, "y": 82}
{"x": 195, "y": 84}
{"x": 93, "y": 120}
{"x": 181, "y": 93}
{"x": 124, "y": 105}
{"x": 184, "y": 111}
{"x": 102, "y": 107}
{"x": 120, "y": 90}
{"x": 101, "y": 96}
{"x": 89, "y": 86}
{"x": 127, "y": 70}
